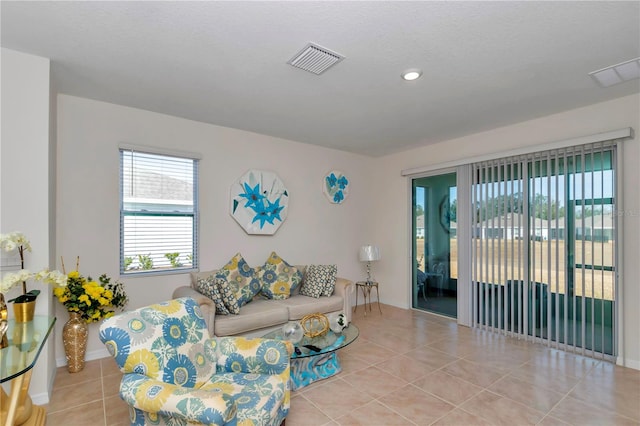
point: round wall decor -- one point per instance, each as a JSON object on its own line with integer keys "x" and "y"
{"x": 335, "y": 186}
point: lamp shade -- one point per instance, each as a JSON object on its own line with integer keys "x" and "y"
{"x": 369, "y": 253}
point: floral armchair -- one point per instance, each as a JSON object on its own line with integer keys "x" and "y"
{"x": 175, "y": 374}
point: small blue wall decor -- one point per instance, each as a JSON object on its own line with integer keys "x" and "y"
{"x": 335, "y": 186}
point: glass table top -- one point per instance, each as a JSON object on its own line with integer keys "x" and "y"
{"x": 26, "y": 340}
{"x": 328, "y": 342}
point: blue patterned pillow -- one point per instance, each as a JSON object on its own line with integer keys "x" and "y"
{"x": 207, "y": 287}
{"x": 241, "y": 278}
{"x": 218, "y": 290}
{"x": 277, "y": 278}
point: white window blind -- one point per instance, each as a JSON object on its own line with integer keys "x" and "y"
{"x": 158, "y": 212}
{"x": 544, "y": 247}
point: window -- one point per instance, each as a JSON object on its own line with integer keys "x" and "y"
{"x": 158, "y": 212}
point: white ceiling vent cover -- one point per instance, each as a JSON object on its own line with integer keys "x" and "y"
{"x": 315, "y": 59}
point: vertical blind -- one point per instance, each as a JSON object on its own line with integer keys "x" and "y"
{"x": 158, "y": 212}
{"x": 543, "y": 247}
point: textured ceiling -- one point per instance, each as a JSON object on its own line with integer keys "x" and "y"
{"x": 486, "y": 64}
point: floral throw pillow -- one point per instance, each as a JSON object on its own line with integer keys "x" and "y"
{"x": 277, "y": 278}
{"x": 242, "y": 279}
{"x": 317, "y": 278}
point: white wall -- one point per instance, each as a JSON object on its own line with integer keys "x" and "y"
{"x": 24, "y": 181}
{"x": 392, "y": 210}
{"x": 315, "y": 230}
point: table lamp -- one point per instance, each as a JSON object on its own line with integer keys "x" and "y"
{"x": 369, "y": 254}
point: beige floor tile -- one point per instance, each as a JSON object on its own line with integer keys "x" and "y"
{"x": 337, "y": 398}
{"x": 116, "y": 411}
{"x": 538, "y": 375}
{"x": 417, "y": 405}
{"x": 351, "y": 363}
{"x": 477, "y": 374}
{"x": 501, "y": 411}
{"x": 81, "y": 415}
{"x": 431, "y": 357}
{"x": 397, "y": 343}
{"x": 576, "y": 412}
{"x": 90, "y": 372}
{"x": 451, "y": 389}
{"x": 552, "y": 421}
{"x": 459, "y": 417}
{"x": 373, "y": 414}
{"x": 538, "y": 398}
{"x": 109, "y": 366}
{"x": 560, "y": 362}
{"x": 111, "y": 384}
{"x": 404, "y": 367}
{"x": 372, "y": 353}
{"x": 622, "y": 401}
{"x": 82, "y": 393}
{"x": 374, "y": 381}
{"x": 305, "y": 413}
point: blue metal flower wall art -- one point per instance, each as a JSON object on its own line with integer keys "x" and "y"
{"x": 336, "y": 186}
{"x": 259, "y": 202}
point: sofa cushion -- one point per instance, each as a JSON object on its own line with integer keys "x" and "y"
{"x": 300, "y": 305}
{"x": 242, "y": 279}
{"x": 259, "y": 314}
{"x": 278, "y": 278}
{"x": 317, "y": 278}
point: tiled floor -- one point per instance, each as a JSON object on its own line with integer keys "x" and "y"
{"x": 411, "y": 368}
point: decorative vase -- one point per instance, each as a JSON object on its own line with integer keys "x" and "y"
{"x": 74, "y": 338}
{"x": 23, "y": 312}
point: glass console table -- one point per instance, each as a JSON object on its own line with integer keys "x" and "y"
{"x": 17, "y": 360}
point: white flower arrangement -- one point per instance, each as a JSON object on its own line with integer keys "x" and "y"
{"x": 17, "y": 241}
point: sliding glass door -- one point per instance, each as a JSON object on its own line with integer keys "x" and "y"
{"x": 435, "y": 270}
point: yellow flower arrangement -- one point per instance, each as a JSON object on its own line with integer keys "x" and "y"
{"x": 94, "y": 300}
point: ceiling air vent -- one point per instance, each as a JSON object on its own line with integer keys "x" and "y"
{"x": 315, "y": 59}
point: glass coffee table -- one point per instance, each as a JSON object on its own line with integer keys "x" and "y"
{"x": 309, "y": 365}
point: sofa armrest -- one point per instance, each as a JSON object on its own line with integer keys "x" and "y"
{"x": 344, "y": 288}
{"x": 207, "y": 307}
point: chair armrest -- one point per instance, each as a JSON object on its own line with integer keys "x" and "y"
{"x": 207, "y": 306}
{"x": 217, "y": 408}
{"x": 252, "y": 355}
{"x": 344, "y": 288}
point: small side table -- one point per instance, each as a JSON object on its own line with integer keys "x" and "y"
{"x": 365, "y": 287}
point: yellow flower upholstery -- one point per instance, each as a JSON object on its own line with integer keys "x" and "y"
{"x": 175, "y": 374}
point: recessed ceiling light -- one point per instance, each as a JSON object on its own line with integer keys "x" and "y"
{"x": 412, "y": 74}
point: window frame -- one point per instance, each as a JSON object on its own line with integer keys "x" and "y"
{"x": 195, "y": 214}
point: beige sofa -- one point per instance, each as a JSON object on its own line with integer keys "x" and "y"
{"x": 262, "y": 315}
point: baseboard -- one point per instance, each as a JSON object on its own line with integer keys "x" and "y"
{"x": 630, "y": 363}
{"x": 40, "y": 398}
{"x": 90, "y": 356}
